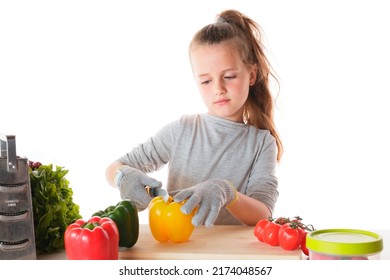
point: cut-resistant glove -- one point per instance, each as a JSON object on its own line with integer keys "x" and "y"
{"x": 210, "y": 196}
{"x": 132, "y": 182}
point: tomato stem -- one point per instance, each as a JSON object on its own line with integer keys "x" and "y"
{"x": 294, "y": 222}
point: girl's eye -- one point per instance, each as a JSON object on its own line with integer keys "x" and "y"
{"x": 230, "y": 77}
{"x": 205, "y": 82}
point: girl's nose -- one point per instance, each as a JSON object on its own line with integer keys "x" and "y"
{"x": 219, "y": 88}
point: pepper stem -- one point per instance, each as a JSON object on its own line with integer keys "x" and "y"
{"x": 90, "y": 226}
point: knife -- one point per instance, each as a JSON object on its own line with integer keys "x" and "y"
{"x": 154, "y": 192}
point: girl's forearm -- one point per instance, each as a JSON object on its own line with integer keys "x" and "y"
{"x": 248, "y": 210}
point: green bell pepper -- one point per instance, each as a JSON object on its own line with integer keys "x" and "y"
{"x": 125, "y": 216}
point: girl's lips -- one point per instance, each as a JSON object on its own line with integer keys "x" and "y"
{"x": 221, "y": 101}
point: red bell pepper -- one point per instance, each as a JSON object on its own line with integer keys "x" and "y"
{"x": 96, "y": 239}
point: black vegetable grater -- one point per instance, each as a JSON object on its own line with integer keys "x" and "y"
{"x": 17, "y": 239}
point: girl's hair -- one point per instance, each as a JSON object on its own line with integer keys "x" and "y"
{"x": 245, "y": 34}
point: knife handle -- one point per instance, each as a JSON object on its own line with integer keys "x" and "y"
{"x": 150, "y": 191}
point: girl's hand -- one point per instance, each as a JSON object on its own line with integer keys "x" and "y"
{"x": 210, "y": 196}
{"x": 132, "y": 182}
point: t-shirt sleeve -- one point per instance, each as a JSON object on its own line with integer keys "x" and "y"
{"x": 154, "y": 153}
{"x": 263, "y": 183}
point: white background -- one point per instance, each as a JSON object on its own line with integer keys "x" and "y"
{"x": 83, "y": 82}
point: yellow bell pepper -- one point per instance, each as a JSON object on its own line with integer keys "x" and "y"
{"x": 167, "y": 222}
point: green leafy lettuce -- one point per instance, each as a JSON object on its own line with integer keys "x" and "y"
{"x": 53, "y": 206}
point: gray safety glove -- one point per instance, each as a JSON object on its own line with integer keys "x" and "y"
{"x": 210, "y": 196}
{"x": 132, "y": 182}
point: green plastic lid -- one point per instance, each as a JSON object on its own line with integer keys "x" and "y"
{"x": 344, "y": 242}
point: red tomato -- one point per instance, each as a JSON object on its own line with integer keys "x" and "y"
{"x": 271, "y": 233}
{"x": 290, "y": 236}
{"x": 259, "y": 229}
{"x": 303, "y": 244}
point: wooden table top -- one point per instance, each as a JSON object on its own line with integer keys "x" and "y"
{"x": 217, "y": 242}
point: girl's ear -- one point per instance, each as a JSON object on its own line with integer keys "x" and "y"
{"x": 253, "y": 75}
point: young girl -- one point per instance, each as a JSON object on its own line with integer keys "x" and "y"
{"x": 222, "y": 161}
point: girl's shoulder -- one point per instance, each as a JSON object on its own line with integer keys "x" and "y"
{"x": 188, "y": 120}
{"x": 183, "y": 122}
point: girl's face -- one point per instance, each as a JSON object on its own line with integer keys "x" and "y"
{"x": 223, "y": 79}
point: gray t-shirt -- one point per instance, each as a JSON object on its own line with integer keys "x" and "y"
{"x": 202, "y": 147}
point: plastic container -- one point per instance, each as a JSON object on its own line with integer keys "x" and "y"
{"x": 343, "y": 244}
